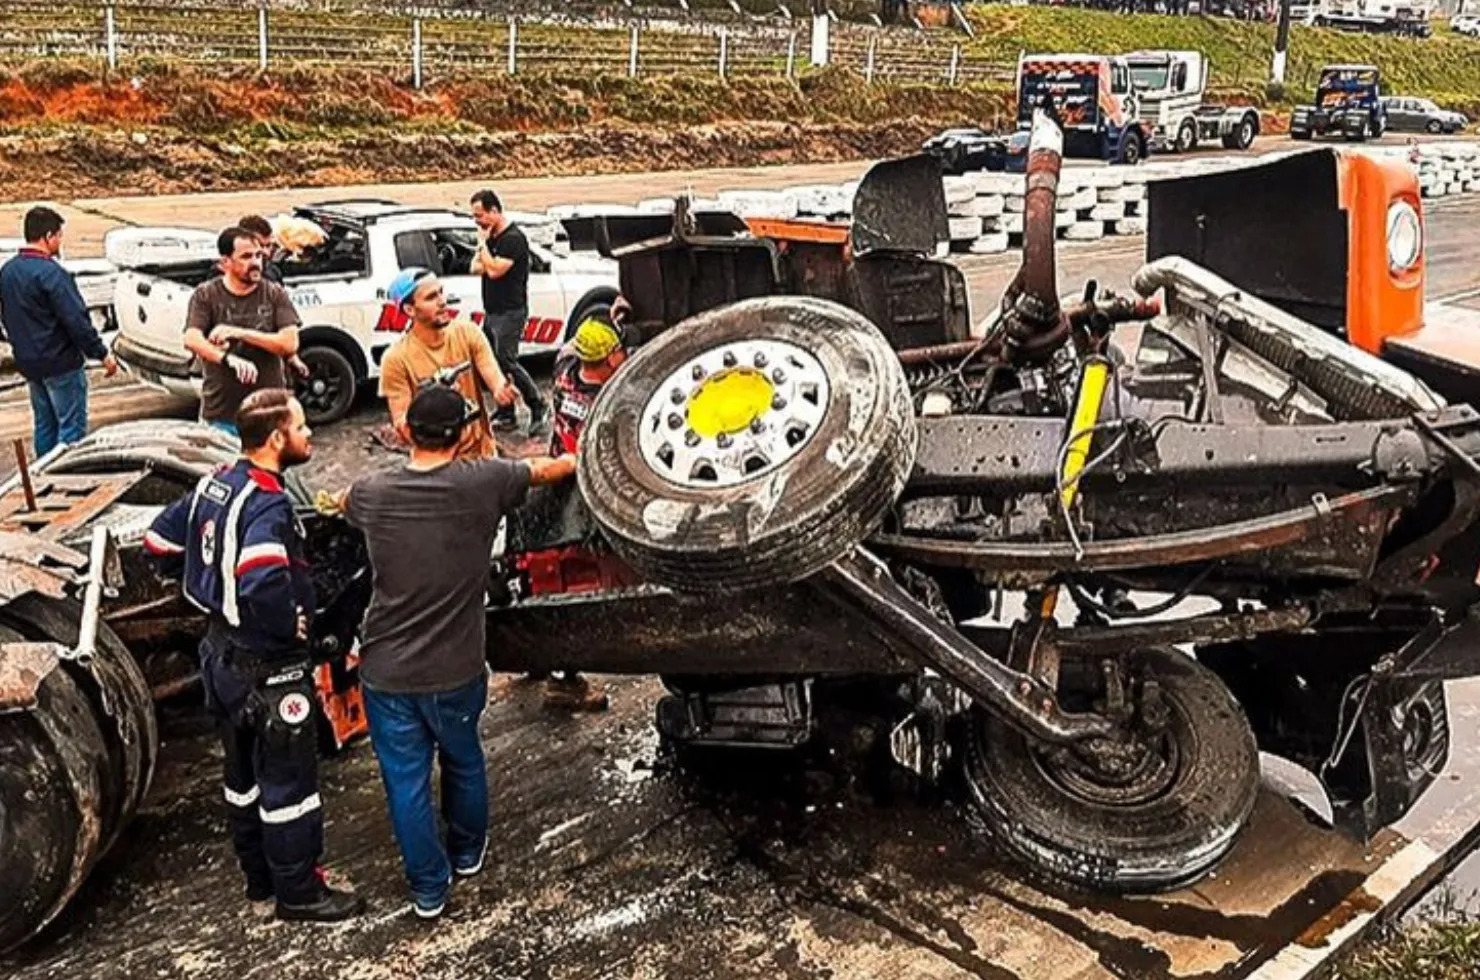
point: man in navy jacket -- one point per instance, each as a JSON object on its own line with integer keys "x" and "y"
{"x": 48, "y": 326}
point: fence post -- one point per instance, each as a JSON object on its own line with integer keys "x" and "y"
{"x": 791, "y": 55}
{"x": 110, "y": 35}
{"x": 632, "y": 54}
{"x": 868, "y": 68}
{"x": 513, "y": 44}
{"x": 416, "y": 53}
{"x": 724, "y": 51}
{"x": 262, "y": 37}
{"x": 820, "y": 27}
{"x": 955, "y": 62}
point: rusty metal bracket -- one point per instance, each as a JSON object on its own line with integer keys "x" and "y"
{"x": 862, "y": 582}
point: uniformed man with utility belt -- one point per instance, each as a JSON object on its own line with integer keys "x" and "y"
{"x": 238, "y": 549}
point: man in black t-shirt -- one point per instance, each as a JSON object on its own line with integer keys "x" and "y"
{"x": 503, "y": 262}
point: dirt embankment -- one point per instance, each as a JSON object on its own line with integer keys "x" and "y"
{"x": 67, "y": 133}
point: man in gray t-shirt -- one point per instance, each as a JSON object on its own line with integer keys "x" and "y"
{"x": 430, "y": 528}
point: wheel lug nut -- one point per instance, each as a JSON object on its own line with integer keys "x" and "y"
{"x": 698, "y": 372}
{"x": 778, "y": 403}
{"x": 675, "y": 420}
{"x": 761, "y": 360}
{"x": 691, "y": 438}
{"x": 757, "y": 427}
{"x": 778, "y": 376}
{"x": 676, "y": 396}
{"x": 723, "y": 441}
{"x": 730, "y": 359}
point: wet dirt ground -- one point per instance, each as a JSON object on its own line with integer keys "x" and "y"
{"x": 609, "y": 860}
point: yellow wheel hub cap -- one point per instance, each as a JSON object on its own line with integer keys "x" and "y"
{"x": 728, "y": 402}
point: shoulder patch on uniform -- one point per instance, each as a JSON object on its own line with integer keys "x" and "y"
{"x": 217, "y": 491}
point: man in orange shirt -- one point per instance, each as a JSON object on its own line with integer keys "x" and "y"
{"x": 438, "y": 344}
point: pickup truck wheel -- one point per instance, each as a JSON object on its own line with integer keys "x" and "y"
{"x": 1149, "y": 812}
{"x": 1435, "y": 126}
{"x": 329, "y": 390}
{"x": 1187, "y": 137}
{"x": 750, "y": 445}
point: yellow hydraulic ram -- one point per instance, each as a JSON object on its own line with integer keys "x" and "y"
{"x": 1092, "y": 382}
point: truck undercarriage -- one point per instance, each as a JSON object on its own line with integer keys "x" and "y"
{"x": 814, "y": 469}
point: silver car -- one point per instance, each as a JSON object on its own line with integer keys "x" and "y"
{"x": 1410, "y": 115}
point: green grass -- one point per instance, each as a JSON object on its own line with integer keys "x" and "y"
{"x": 1445, "y": 67}
{"x": 1442, "y": 950}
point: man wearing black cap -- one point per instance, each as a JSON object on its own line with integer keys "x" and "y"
{"x": 430, "y": 527}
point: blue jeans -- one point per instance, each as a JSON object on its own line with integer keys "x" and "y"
{"x": 58, "y": 410}
{"x": 406, "y": 730}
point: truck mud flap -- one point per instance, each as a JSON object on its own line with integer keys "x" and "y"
{"x": 900, "y": 207}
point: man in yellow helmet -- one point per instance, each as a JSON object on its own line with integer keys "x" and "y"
{"x": 582, "y": 367}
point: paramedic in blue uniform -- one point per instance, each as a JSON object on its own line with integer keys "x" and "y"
{"x": 239, "y": 552}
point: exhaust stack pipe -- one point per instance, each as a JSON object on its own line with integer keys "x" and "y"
{"x": 1034, "y": 324}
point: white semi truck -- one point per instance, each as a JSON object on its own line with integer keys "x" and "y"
{"x": 1171, "y": 86}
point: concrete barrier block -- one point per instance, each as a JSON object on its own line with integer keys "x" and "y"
{"x": 963, "y": 229}
{"x": 1085, "y": 231}
{"x": 989, "y": 244}
{"x": 1130, "y": 226}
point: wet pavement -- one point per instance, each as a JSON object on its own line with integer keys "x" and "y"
{"x": 608, "y": 859}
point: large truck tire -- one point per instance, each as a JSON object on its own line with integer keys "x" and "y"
{"x": 1167, "y": 820}
{"x": 751, "y": 445}
{"x": 74, "y": 767}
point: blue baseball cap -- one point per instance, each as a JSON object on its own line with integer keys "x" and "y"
{"x": 404, "y": 285}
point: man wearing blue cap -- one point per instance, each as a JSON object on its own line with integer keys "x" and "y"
{"x": 438, "y": 343}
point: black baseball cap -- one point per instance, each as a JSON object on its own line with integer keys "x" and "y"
{"x": 438, "y": 412}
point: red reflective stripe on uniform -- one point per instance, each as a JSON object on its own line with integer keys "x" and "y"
{"x": 265, "y": 480}
{"x": 260, "y": 556}
{"x": 157, "y": 545}
{"x": 243, "y": 568}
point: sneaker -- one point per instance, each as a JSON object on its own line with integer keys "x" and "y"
{"x": 574, "y": 693}
{"x": 333, "y": 905}
{"x": 469, "y": 870}
{"x": 429, "y": 908}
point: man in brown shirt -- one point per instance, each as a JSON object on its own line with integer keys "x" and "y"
{"x": 434, "y": 343}
{"x": 242, "y": 328}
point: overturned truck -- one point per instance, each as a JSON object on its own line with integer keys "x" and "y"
{"x": 813, "y": 469}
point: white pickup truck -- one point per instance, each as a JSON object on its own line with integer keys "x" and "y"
{"x": 339, "y": 291}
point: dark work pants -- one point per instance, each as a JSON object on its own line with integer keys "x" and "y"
{"x": 265, "y": 719}
{"x": 503, "y": 331}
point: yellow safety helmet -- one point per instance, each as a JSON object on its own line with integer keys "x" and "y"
{"x": 596, "y": 339}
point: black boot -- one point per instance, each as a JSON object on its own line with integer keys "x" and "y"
{"x": 333, "y": 905}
